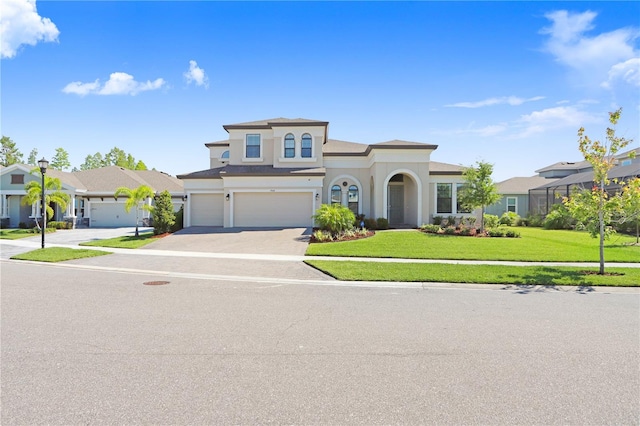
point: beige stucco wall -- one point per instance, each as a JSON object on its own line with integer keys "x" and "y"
{"x": 317, "y": 135}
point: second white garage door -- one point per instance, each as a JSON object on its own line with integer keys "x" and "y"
{"x": 207, "y": 209}
{"x": 273, "y": 209}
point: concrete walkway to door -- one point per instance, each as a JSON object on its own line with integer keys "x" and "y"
{"x": 272, "y": 241}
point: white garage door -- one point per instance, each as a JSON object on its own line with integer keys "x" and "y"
{"x": 112, "y": 215}
{"x": 207, "y": 209}
{"x": 276, "y": 209}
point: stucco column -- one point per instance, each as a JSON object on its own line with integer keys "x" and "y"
{"x": 5, "y": 206}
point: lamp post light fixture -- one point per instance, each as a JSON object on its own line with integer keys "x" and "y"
{"x": 43, "y": 164}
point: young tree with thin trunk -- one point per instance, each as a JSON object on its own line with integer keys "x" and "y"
{"x": 597, "y": 203}
{"x": 136, "y": 198}
{"x": 479, "y": 189}
{"x": 60, "y": 160}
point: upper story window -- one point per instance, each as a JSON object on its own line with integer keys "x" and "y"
{"x": 225, "y": 156}
{"x": 252, "y": 148}
{"x": 306, "y": 145}
{"x": 289, "y": 146}
{"x": 17, "y": 179}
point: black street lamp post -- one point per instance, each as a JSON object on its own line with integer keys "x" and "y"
{"x": 43, "y": 169}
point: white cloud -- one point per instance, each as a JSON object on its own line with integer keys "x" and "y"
{"x": 196, "y": 75}
{"x": 119, "y": 83}
{"x": 627, "y": 71}
{"x": 510, "y": 100}
{"x": 20, "y": 24}
{"x": 592, "y": 56}
{"x": 553, "y": 118}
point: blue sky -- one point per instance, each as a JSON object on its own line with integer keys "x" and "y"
{"x": 505, "y": 82}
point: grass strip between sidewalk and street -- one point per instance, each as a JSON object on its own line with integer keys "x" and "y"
{"x": 479, "y": 274}
{"x": 58, "y": 254}
{"x": 126, "y": 242}
{"x": 15, "y": 234}
{"x": 535, "y": 245}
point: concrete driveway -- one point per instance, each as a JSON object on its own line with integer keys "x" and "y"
{"x": 285, "y": 241}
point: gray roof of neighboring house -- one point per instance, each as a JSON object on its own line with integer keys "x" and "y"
{"x": 620, "y": 172}
{"x": 397, "y": 143}
{"x": 522, "y": 185}
{"x": 437, "y": 168}
{"x": 271, "y": 122}
{"x": 105, "y": 180}
{"x": 238, "y": 170}
{"x": 582, "y": 165}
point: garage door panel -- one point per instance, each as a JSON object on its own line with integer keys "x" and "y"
{"x": 112, "y": 215}
{"x": 207, "y": 209}
{"x": 269, "y": 209}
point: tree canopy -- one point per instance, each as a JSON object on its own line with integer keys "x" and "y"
{"x": 9, "y": 152}
{"x": 479, "y": 189}
{"x": 53, "y": 193}
{"x": 60, "y": 160}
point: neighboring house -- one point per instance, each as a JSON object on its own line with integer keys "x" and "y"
{"x": 515, "y": 195}
{"x": 277, "y": 172}
{"x": 578, "y": 174}
{"x": 91, "y": 192}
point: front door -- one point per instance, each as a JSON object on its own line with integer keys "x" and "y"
{"x": 396, "y": 204}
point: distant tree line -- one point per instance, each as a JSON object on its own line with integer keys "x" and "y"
{"x": 10, "y": 154}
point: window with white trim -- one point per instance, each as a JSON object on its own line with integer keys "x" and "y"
{"x": 336, "y": 194}
{"x": 354, "y": 198}
{"x": 307, "y": 145}
{"x": 512, "y": 204}
{"x": 289, "y": 146}
{"x": 444, "y": 198}
{"x": 252, "y": 146}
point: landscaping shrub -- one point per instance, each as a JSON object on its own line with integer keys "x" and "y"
{"x": 535, "y": 220}
{"x": 59, "y": 225}
{"x": 371, "y": 223}
{"x": 471, "y": 221}
{"x": 437, "y": 220}
{"x": 450, "y": 230}
{"x": 509, "y": 218}
{"x": 334, "y": 218}
{"x": 382, "y": 223}
{"x": 359, "y": 223}
{"x": 451, "y": 221}
{"x": 429, "y": 228}
{"x": 510, "y": 233}
{"x": 179, "y": 221}
{"x": 559, "y": 218}
{"x": 163, "y": 216}
{"x": 321, "y": 236}
{"x": 496, "y": 232}
{"x": 490, "y": 221}
{"x": 22, "y": 225}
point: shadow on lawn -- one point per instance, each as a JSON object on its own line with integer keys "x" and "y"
{"x": 545, "y": 279}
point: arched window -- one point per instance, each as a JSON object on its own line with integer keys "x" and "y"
{"x": 354, "y": 198}
{"x": 289, "y": 146}
{"x": 306, "y": 146}
{"x": 336, "y": 194}
{"x": 225, "y": 156}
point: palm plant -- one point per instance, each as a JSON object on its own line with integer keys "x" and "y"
{"x": 135, "y": 198}
{"x": 52, "y": 187}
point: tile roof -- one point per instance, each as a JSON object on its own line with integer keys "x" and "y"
{"x": 334, "y": 146}
{"x": 280, "y": 121}
{"x": 239, "y": 170}
{"x": 522, "y": 185}
{"x": 437, "y": 168}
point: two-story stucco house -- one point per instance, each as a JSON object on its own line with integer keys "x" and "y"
{"x": 277, "y": 172}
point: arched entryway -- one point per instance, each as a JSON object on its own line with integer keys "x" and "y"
{"x": 403, "y": 198}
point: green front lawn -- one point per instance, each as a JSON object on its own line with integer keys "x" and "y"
{"x": 58, "y": 254}
{"x": 128, "y": 242}
{"x": 481, "y": 274}
{"x": 535, "y": 245}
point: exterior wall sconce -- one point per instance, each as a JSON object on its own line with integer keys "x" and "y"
{"x": 317, "y": 196}
{"x": 184, "y": 197}
{"x": 227, "y": 197}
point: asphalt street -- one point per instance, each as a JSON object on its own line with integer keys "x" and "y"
{"x": 83, "y": 346}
